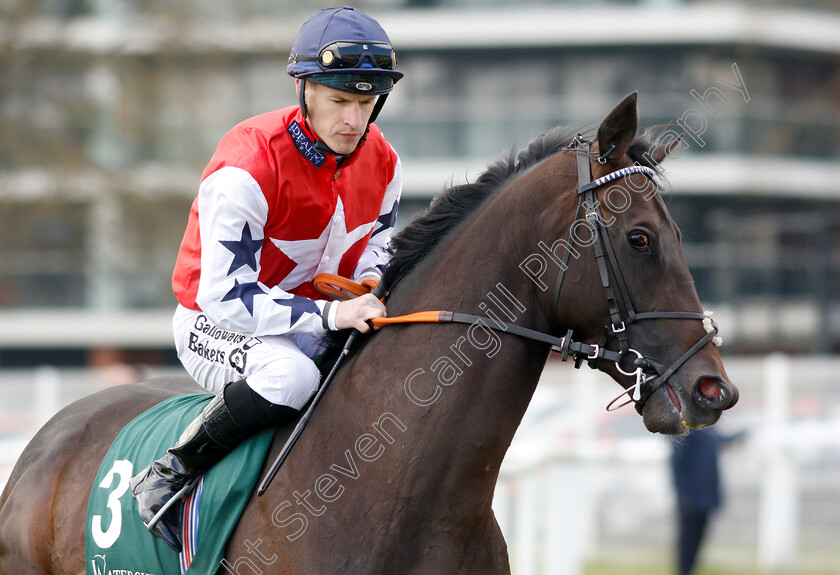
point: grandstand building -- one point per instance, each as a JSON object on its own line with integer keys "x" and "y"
{"x": 109, "y": 111}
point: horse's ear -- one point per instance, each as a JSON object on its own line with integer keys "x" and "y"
{"x": 659, "y": 153}
{"x": 618, "y": 130}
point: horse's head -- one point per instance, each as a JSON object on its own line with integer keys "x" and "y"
{"x": 628, "y": 273}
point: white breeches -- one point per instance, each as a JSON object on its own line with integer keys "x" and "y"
{"x": 278, "y": 367}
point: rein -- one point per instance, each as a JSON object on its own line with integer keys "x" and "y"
{"x": 649, "y": 373}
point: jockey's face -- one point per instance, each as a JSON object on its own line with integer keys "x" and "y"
{"x": 338, "y": 118}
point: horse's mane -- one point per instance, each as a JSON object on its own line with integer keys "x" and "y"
{"x": 451, "y": 208}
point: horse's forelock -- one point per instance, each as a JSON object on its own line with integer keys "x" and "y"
{"x": 644, "y": 149}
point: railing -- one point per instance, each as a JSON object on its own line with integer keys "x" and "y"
{"x": 580, "y": 484}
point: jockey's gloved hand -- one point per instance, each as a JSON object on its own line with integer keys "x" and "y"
{"x": 354, "y": 313}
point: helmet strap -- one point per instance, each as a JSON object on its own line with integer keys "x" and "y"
{"x": 302, "y": 96}
{"x": 322, "y": 147}
{"x": 380, "y": 101}
{"x": 319, "y": 145}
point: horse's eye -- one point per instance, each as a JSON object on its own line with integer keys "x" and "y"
{"x": 639, "y": 240}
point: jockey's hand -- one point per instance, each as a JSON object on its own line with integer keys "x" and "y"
{"x": 355, "y": 312}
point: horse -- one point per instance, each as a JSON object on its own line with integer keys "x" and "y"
{"x": 396, "y": 470}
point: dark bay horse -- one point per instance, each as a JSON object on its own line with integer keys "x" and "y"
{"x": 396, "y": 471}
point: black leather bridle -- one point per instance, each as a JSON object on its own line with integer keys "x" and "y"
{"x": 649, "y": 373}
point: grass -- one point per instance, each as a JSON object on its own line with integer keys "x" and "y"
{"x": 653, "y": 569}
{"x": 658, "y": 568}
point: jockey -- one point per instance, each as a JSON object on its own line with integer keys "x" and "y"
{"x": 289, "y": 194}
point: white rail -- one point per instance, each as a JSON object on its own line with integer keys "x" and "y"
{"x": 581, "y": 484}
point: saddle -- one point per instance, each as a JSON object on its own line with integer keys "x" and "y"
{"x": 116, "y": 539}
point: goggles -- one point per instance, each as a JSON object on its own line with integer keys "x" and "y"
{"x": 352, "y": 55}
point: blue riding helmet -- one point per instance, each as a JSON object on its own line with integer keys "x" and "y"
{"x": 347, "y": 50}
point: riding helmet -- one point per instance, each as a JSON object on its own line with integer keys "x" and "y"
{"x": 347, "y": 50}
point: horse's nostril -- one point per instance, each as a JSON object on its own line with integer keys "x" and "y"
{"x": 709, "y": 387}
{"x": 711, "y": 392}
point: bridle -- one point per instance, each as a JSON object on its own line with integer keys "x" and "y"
{"x": 649, "y": 373}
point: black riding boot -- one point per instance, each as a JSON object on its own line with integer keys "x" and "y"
{"x": 206, "y": 441}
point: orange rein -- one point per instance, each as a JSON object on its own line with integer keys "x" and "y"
{"x": 338, "y": 287}
{"x": 419, "y": 317}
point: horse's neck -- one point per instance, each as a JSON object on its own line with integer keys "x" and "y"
{"x": 416, "y": 425}
{"x": 482, "y": 379}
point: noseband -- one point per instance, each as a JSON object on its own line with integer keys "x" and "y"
{"x": 649, "y": 373}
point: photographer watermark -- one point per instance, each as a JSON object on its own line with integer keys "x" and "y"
{"x": 693, "y": 122}
{"x": 425, "y": 387}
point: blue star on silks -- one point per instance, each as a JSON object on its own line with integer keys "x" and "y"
{"x": 244, "y": 250}
{"x": 299, "y": 306}
{"x": 245, "y": 292}
{"x": 388, "y": 220}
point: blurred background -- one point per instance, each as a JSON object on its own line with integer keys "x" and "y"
{"x": 109, "y": 110}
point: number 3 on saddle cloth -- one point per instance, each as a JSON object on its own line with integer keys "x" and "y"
{"x": 116, "y": 540}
